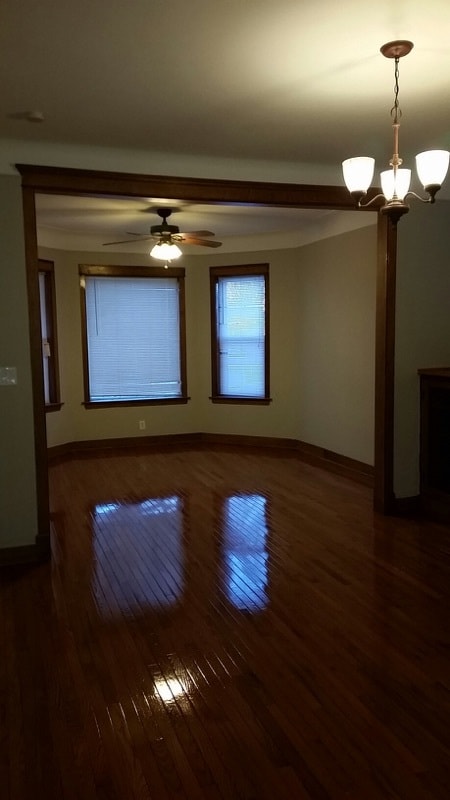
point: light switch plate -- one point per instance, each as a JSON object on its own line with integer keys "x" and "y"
{"x": 8, "y": 376}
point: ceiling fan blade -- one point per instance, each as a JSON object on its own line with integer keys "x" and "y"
{"x": 143, "y": 235}
{"x": 127, "y": 241}
{"x": 201, "y": 234}
{"x": 203, "y": 242}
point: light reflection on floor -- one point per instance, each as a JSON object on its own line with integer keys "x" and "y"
{"x": 245, "y": 551}
{"x": 146, "y": 539}
{"x": 169, "y": 689}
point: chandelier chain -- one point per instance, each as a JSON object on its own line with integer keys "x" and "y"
{"x": 396, "y": 110}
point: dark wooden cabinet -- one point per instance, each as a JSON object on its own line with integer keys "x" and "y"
{"x": 435, "y": 442}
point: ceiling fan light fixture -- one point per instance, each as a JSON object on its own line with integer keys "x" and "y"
{"x": 166, "y": 235}
{"x": 165, "y": 251}
{"x": 431, "y": 166}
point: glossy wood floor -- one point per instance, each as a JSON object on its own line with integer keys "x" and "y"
{"x": 225, "y": 625}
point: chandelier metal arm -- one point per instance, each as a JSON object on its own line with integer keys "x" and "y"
{"x": 369, "y": 202}
{"x": 431, "y": 194}
{"x": 430, "y": 199}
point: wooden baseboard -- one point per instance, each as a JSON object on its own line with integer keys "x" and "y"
{"x": 310, "y": 453}
{"x": 407, "y": 506}
{"x": 334, "y": 462}
{"x": 26, "y": 554}
{"x": 316, "y": 456}
{"x": 99, "y": 447}
{"x": 435, "y": 505}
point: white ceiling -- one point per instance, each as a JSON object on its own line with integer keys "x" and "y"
{"x": 91, "y": 223}
{"x": 277, "y": 81}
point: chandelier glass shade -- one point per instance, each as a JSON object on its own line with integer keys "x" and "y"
{"x": 431, "y": 165}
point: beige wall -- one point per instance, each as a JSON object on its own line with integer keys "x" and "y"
{"x": 335, "y": 343}
{"x": 322, "y": 306}
{"x": 422, "y": 326}
{"x": 18, "y": 509}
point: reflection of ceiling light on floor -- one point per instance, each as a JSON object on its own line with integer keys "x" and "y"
{"x": 169, "y": 689}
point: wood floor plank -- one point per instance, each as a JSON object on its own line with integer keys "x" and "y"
{"x": 225, "y": 624}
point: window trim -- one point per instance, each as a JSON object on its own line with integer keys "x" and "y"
{"x": 115, "y": 271}
{"x": 215, "y": 273}
{"x": 47, "y": 268}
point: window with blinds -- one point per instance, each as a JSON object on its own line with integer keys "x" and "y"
{"x": 134, "y": 342}
{"x": 239, "y": 308}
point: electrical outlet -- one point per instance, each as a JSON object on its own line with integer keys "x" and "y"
{"x": 142, "y": 424}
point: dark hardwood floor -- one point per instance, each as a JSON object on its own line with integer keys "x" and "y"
{"x": 225, "y": 624}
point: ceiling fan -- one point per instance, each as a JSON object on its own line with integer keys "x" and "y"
{"x": 163, "y": 233}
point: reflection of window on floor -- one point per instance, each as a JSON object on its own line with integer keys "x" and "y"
{"x": 246, "y": 557}
{"x": 138, "y": 552}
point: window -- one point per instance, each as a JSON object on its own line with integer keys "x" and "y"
{"x": 47, "y": 306}
{"x": 133, "y": 335}
{"x": 240, "y": 333}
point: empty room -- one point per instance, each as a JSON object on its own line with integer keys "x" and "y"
{"x": 224, "y": 402}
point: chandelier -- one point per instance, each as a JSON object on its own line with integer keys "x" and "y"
{"x": 431, "y": 165}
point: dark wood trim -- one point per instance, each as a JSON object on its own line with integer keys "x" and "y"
{"x": 241, "y": 401}
{"x": 407, "y": 506}
{"x": 87, "y": 182}
{"x": 317, "y": 456}
{"x": 214, "y": 342}
{"x": 267, "y": 348}
{"x": 435, "y": 372}
{"x": 119, "y": 271}
{"x": 97, "y": 447}
{"x": 37, "y": 379}
{"x": 215, "y": 273}
{"x": 78, "y": 181}
{"x": 10, "y": 556}
{"x": 149, "y": 401}
{"x": 310, "y": 453}
{"x": 27, "y": 554}
{"x": 240, "y": 269}
{"x": 49, "y": 407}
{"x": 48, "y": 267}
{"x": 182, "y": 334}
{"x": 384, "y": 500}
{"x": 84, "y": 346}
{"x": 335, "y": 462}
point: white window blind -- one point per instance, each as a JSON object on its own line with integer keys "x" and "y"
{"x": 133, "y": 338}
{"x": 241, "y": 335}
